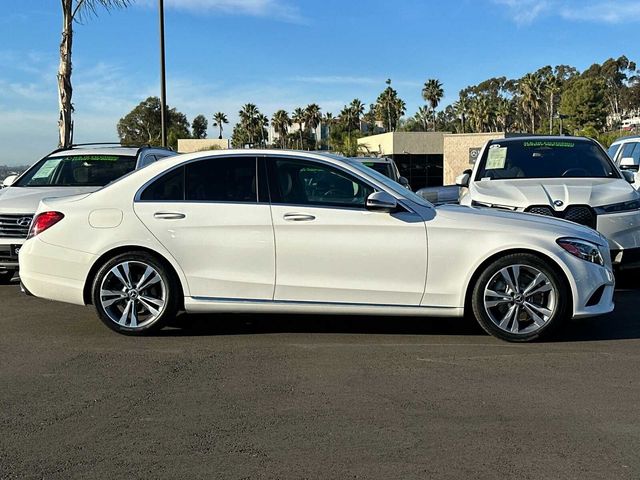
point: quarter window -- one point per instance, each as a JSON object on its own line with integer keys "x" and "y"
{"x": 168, "y": 188}
{"x": 223, "y": 179}
{"x": 308, "y": 183}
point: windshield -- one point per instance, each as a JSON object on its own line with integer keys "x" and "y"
{"x": 387, "y": 182}
{"x": 383, "y": 168}
{"x": 519, "y": 159}
{"x": 613, "y": 149}
{"x": 77, "y": 171}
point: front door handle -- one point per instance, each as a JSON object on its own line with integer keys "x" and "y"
{"x": 169, "y": 215}
{"x": 298, "y": 217}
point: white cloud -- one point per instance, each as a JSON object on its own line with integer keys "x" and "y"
{"x": 598, "y": 11}
{"x": 607, "y": 11}
{"x": 279, "y": 9}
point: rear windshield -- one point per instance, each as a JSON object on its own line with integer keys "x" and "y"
{"x": 77, "y": 171}
{"x": 519, "y": 159}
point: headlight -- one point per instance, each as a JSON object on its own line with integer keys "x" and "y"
{"x": 582, "y": 249}
{"x": 490, "y": 205}
{"x": 619, "y": 207}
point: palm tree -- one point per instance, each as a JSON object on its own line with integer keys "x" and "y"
{"x": 432, "y": 93}
{"x": 262, "y": 122}
{"x": 219, "y": 119}
{"x": 532, "y": 88}
{"x": 328, "y": 119}
{"x": 281, "y": 123}
{"x": 73, "y": 10}
{"x": 357, "y": 110}
{"x": 461, "y": 108}
{"x": 503, "y": 110}
{"x": 248, "y": 118}
{"x": 422, "y": 117}
{"x": 554, "y": 87}
{"x": 298, "y": 117}
{"x": 313, "y": 118}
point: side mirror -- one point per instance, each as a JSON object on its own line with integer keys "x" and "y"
{"x": 9, "y": 180}
{"x": 629, "y": 176}
{"x": 464, "y": 179}
{"x": 381, "y": 202}
{"x": 404, "y": 182}
{"x": 628, "y": 163}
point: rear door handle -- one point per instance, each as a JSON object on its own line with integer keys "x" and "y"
{"x": 169, "y": 215}
{"x": 298, "y": 217}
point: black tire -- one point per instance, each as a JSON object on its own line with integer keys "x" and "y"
{"x": 5, "y": 277}
{"x": 558, "y": 296}
{"x": 137, "y": 262}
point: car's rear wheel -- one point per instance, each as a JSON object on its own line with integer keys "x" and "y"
{"x": 135, "y": 294}
{"x": 521, "y": 298}
{"x": 6, "y": 276}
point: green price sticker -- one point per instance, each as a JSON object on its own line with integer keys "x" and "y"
{"x": 559, "y": 144}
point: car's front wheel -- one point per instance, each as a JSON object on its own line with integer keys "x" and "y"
{"x": 135, "y": 294}
{"x": 520, "y": 298}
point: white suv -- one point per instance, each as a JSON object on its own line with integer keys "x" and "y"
{"x": 79, "y": 169}
{"x": 625, "y": 152}
{"x": 571, "y": 178}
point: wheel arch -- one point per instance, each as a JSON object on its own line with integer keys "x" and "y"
{"x": 87, "y": 294}
{"x": 495, "y": 256}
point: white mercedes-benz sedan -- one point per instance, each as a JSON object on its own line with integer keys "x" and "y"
{"x": 292, "y": 232}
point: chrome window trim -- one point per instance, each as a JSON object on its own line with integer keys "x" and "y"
{"x": 401, "y": 200}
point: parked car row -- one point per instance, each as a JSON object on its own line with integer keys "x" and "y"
{"x": 291, "y": 232}
{"x": 295, "y": 232}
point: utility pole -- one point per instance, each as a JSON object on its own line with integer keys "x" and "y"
{"x": 163, "y": 84}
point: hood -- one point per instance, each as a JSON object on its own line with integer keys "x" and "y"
{"x": 26, "y": 199}
{"x": 505, "y": 221}
{"x": 522, "y": 193}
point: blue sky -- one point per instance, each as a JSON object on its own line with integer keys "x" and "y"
{"x": 283, "y": 54}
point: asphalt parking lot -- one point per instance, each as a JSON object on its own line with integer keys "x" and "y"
{"x": 315, "y": 397}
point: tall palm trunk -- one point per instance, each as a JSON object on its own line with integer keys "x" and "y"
{"x": 551, "y": 114}
{"x": 65, "y": 91}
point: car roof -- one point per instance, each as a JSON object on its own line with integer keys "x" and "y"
{"x": 121, "y": 151}
{"x": 624, "y": 139}
{"x": 540, "y": 138}
{"x": 170, "y": 161}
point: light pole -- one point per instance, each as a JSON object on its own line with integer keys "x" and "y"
{"x": 163, "y": 85}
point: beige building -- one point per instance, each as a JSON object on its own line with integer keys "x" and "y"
{"x": 461, "y": 150}
{"x": 419, "y": 155}
{"x": 429, "y": 158}
{"x": 189, "y": 145}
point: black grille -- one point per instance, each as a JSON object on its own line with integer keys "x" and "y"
{"x": 581, "y": 214}
{"x": 15, "y": 225}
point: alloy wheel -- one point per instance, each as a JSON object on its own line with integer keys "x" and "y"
{"x": 520, "y": 299}
{"x": 133, "y": 294}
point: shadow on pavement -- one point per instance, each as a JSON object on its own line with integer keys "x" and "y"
{"x": 249, "y": 324}
{"x": 623, "y": 323}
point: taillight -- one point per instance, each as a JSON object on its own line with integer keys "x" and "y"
{"x": 44, "y": 221}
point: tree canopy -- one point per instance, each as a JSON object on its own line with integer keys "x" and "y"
{"x": 141, "y": 126}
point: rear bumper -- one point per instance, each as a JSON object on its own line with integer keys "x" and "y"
{"x": 52, "y": 272}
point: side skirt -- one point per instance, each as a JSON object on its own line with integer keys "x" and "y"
{"x": 230, "y": 305}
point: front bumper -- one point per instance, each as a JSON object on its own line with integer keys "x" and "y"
{"x": 9, "y": 248}
{"x": 627, "y": 258}
{"x": 622, "y": 231}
